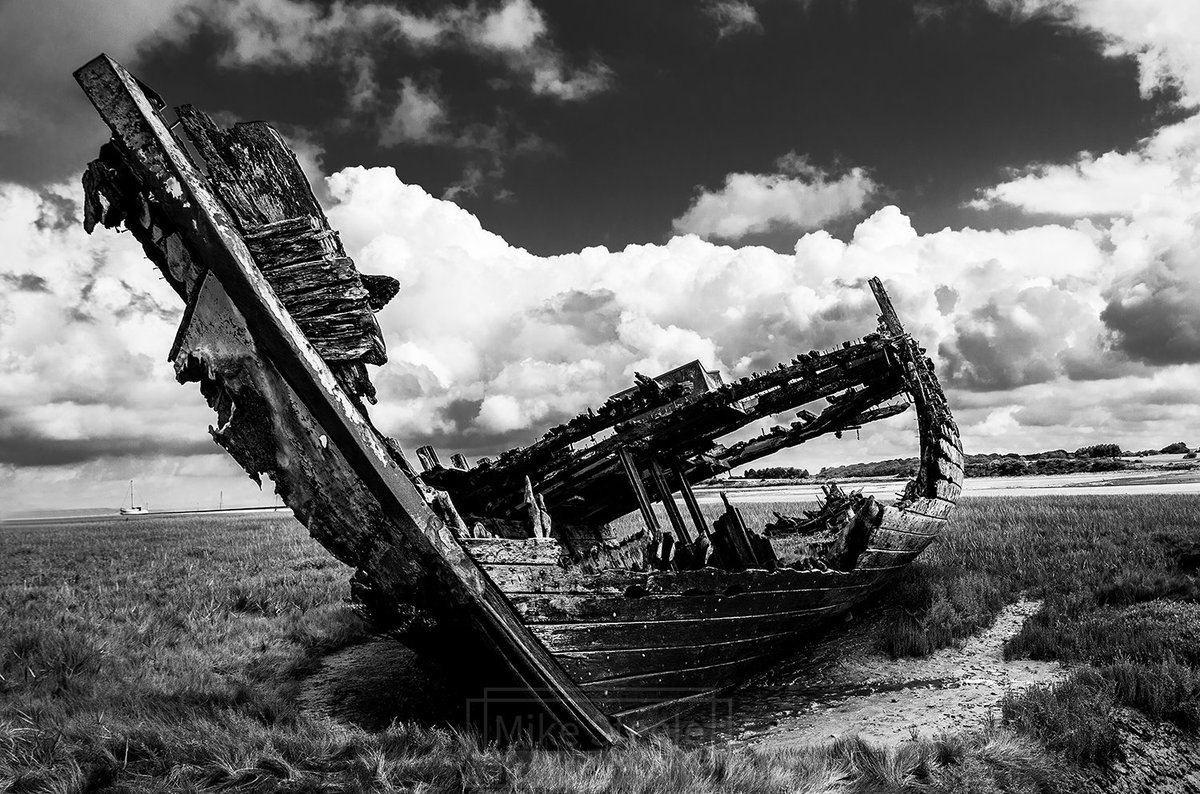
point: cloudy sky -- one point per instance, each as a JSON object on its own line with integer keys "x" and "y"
{"x": 570, "y": 192}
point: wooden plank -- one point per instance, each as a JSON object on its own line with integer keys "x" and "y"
{"x": 591, "y": 666}
{"x": 668, "y": 500}
{"x": 689, "y": 499}
{"x": 639, "y": 490}
{"x": 561, "y": 637}
{"x": 590, "y": 608}
{"x": 738, "y": 553}
{"x": 166, "y": 171}
{"x": 525, "y": 552}
{"x": 517, "y": 576}
{"x": 885, "y": 538}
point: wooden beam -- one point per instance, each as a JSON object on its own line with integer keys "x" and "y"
{"x": 639, "y": 490}
{"x": 428, "y": 457}
{"x": 166, "y": 172}
{"x": 689, "y": 499}
{"x": 668, "y": 500}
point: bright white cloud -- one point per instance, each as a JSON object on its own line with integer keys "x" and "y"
{"x": 489, "y": 343}
{"x": 798, "y": 196}
{"x": 83, "y": 322}
{"x": 1149, "y": 194}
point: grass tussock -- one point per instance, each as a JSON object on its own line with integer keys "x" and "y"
{"x": 1074, "y": 717}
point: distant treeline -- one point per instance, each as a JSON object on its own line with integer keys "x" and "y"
{"x": 1097, "y": 457}
{"x": 776, "y": 473}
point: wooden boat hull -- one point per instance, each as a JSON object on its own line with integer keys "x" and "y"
{"x": 644, "y": 644}
{"x": 582, "y": 646}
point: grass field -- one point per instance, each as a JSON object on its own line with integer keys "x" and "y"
{"x": 165, "y": 654}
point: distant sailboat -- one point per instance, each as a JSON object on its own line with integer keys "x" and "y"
{"x": 134, "y": 508}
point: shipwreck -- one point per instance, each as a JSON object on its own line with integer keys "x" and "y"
{"x": 509, "y": 573}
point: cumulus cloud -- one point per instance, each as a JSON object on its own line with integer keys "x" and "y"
{"x": 84, "y": 327}
{"x": 1156, "y": 314}
{"x": 490, "y": 345}
{"x": 797, "y": 195}
{"x": 1147, "y": 196}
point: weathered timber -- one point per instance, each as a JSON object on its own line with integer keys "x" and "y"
{"x": 638, "y": 488}
{"x": 732, "y": 539}
{"x": 260, "y": 182}
{"x": 665, "y": 495}
{"x": 587, "y": 623}
{"x": 581, "y": 485}
{"x": 428, "y": 457}
{"x": 328, "y": 462}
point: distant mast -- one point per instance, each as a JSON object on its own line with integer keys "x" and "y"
{"x": 133, "y": 509}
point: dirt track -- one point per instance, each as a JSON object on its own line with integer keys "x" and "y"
{"x": 854, "y": 690}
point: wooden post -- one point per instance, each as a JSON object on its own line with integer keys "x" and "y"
{"x": 735, "y": 533}
{"x": 689, "y": 499}
{"x": 459, "y": 461}
{"x": 664, "y": 490}
{"x": 428, "y": 457}
{"x": 886, "y": 310}
{"x": 639, "y": 490}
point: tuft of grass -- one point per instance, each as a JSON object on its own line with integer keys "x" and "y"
{"x": 1074, "y": 717}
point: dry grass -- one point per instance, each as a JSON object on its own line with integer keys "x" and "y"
{"x": 165, "y": 654}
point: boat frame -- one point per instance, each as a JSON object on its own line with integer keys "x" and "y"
{"x": 290, "y": 395}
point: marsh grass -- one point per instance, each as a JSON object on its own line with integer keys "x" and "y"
{"x": 1117, "y": 576}
{"x": 166, "y": 654}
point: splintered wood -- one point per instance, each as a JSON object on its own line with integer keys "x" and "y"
{"x": 282, "y": 409}
{"x": 591, "y": 629}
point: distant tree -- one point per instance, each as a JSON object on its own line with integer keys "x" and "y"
{"x": 1178, "y": 448}
{"x": 1189, "y": 455}
{"x": 1099, "y": 451}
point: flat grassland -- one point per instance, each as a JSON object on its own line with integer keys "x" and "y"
{"x": 166, "y": 654}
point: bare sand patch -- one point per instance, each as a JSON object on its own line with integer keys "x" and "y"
{"x": 889, "y": 701}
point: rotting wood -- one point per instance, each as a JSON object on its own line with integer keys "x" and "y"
{"x": 278, "y": 330}
{"x": 328, "y": 462}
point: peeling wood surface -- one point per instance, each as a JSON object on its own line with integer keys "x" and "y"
{"x": 330, "y": 465}
{"x": 278, "y": 329}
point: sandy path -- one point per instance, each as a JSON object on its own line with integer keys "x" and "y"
{"x": 890, "y": 701}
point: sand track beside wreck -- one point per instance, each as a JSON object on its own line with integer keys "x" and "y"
{"x": 889, "y": 701}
